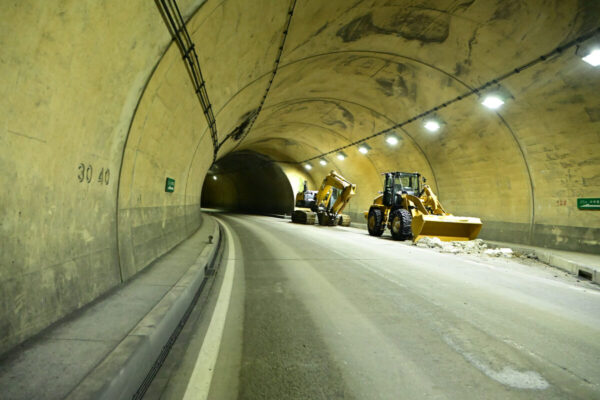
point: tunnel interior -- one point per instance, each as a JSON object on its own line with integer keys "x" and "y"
{"x": 101, "y": 107}
{"x": 247, "y": 182}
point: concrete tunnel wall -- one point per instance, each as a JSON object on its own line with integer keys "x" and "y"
{"x": 98, "y": 109}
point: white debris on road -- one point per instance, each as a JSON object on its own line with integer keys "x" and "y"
{"x": 476, "y": 246}
{"x": 502, "y": 252}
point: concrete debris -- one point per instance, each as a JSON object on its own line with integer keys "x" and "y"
{"x": 476, "y": 246}
{"x": 501, "y": 252}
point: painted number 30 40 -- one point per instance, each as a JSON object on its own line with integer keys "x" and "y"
{"x": 86, "y": 174}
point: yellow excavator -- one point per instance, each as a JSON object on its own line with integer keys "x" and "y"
{"x": 326, "y": 204}
{"x": 410, "y": 209}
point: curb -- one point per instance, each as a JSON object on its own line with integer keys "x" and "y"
{"x": 127, "y": 371}
{"x": 575, "y": 268}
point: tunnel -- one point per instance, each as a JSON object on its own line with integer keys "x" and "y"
{"x": 128, "y": 124}
{"x": 246, "y": 182}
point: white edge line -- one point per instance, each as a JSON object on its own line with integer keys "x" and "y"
{"x": 199, "y": 384}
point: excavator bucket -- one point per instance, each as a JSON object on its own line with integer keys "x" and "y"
{"x": 445, "y": 227}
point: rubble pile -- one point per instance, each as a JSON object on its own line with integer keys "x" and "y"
{"x": 476, "y": 246}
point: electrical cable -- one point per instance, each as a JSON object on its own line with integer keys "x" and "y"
{"x": 475, "y": 91}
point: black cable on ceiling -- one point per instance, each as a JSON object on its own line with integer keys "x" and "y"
{"x": 475, "y": 91}
{"x": 177, "y": 28}
{"x": 255, "y": 115}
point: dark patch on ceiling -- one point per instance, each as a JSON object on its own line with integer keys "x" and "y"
{"x": 462, "y": 6}
{"x": 338, "y": 116}
{"x": 426, "y": 26}
{"x": 588, "y": 12}
{"x": 593, "y": 113}
{"x": 506, "y": 9}
{"x": 396, "y": 86}
{"x": 238, "y": 132}
{"x": 281, "y": 141}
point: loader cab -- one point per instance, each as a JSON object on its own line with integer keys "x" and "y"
{"x": 398, "y": 183}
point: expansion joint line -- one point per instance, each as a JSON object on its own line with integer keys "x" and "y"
{"x": 290, "y": 13}
{"x": 177, "y": 28}
{"x": 475, "y": 91}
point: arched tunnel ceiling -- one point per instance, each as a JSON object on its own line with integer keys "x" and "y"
{"x": 352, "y": 69}
{"x": 99, "y": 110}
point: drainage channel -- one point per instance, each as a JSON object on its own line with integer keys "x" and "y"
{"x": 210, "y": 270}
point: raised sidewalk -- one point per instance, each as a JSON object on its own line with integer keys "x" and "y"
{"x": 107, "y": 349}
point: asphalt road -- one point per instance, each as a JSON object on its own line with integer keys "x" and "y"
{"x": 332, "y": 313}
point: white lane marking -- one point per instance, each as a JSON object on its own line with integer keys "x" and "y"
{"x": 199, "y": 383}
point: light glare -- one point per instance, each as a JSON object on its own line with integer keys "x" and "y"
{"x": 492, "y": 102}
{"x": 214, "y": 177}
{"x": 392, "y": 140}
{"x": 593, "y": 58}
{"x": 322, "y": 161}
{"x": 363, "y": 149}
{"x": 341, "y": 157}
{"x": 307, "y": 167}
{"x": 432, "y": 126}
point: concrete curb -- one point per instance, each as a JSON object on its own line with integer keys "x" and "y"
{"x": 546, "y": 256}
{"x": 124, "y": 370}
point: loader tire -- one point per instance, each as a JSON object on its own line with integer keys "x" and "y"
{"x": 401, "y": 221}
{"x": 375, "y": 222}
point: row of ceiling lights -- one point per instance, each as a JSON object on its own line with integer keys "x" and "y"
{"x": 432, "y": 124}
{"x": 492, "y": 101}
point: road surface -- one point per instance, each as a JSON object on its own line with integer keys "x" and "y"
{"x": 310, "y": 312}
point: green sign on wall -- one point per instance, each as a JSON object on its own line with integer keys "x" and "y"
{"x": 588, "y": 204}
{"x": 170, "y": 185}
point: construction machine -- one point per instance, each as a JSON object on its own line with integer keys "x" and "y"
{"x": 326, "y": 204}
{"x": 305, "y": 201}
{"x": 410, "y": 209}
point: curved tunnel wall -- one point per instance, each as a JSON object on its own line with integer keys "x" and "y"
{"x": 99, "y": 110}
{"x": 249, "y": 183}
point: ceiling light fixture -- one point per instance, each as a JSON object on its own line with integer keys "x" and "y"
{"x": 493, "y": 102}
{"x": 392, "y": 139}
{"x": 323, "y": 161}
{"x": 307, "y": 166}
{"x": 341, "y": 156}
{"x": 432, "y": 125}
{"x": 364, "y": 148}
{"x": 214, "y": 177}
{"x": 593, "y": 58}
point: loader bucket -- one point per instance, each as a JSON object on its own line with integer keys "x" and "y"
{"x": 445, "y": 227}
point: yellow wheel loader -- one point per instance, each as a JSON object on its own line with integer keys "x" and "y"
{"x": 410, "y": 209}
{"x": 326, "y": 204}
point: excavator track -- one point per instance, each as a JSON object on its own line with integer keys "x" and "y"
{"x": 304, "y": 217}
{"x": 344, "y": 220}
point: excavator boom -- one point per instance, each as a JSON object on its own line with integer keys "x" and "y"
{"x": 330, "y": 200}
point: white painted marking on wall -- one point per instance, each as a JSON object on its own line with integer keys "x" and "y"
{"x": 200, "y": 380}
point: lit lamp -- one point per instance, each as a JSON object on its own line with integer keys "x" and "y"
{"x": 392, "y": 139}
{"x": 432, "y": 125}
{"x": 593, "y": 58}
{"x": 492, "y": 101}
{"x": 364, "y": 148}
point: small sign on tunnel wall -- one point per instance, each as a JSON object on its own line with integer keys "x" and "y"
{"x": 588, "y": 204}
{"x": 170, "y": 185}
